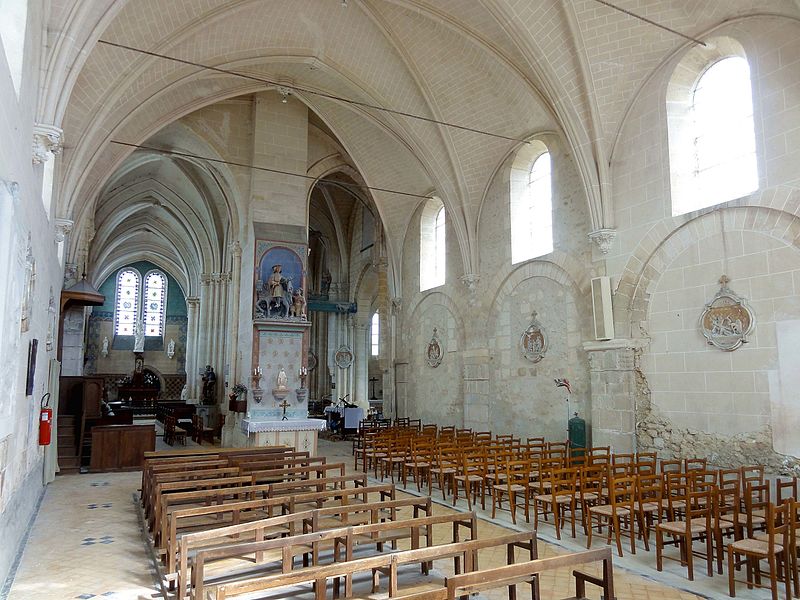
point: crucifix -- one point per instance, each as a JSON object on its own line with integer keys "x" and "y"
{"x": 284, "y": 405}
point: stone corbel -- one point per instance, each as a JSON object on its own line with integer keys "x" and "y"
{"x": 47, "y": 142}
{"x": 397, "y": 305}
{"x": 63, "y": 227}
{"x": 604, "y": 238}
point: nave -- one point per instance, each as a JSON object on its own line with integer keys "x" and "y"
{"x": 101, "y": 551}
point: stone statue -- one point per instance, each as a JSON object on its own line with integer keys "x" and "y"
{"x": 325, "y": 283}
{"x": 283, "y": 380}
{"x": 104, "y": 351}
{"x": 138, "y": 337}
{"x": 209, "y": 385}
{"x": 298, "y": 304}
{"x": 184, "y": 392}
{"x": 171, "y": 348}
{"x": 280, "y": 293}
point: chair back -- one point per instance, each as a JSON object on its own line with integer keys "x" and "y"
{"x": 670, "y": 466}
{"x": 785, "y": 490}
{"x": 694, "y": 464}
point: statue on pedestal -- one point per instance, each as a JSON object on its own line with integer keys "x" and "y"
{"x": 209, "y": 385}
{"x": 283, "y": 380}
{"x": 138, "y": 337}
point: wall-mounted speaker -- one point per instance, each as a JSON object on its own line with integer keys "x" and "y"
{"x": 601, "y": 308}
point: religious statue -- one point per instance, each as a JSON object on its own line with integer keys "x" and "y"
{"x": 171, "y": 348}
{"x": 138, "y": 337}
{"x": 209, "y": 384}
{"x": 298, "y": 304}
{"x": 325, "y": 283}
{"x": 283, "y": 380}
{"x": 184, "y": 393}
{"x": 104, "y": 350}
{"x": 280, "y": 293}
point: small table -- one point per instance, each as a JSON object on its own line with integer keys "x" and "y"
{"x": 300, "y": 433}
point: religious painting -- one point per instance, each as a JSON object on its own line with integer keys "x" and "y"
{"x": 343, "y": 357}
{"x": 533, "y": 341}
{"x": 279, "y": 281}
{"x": 434, "y": 352}
{"x": 727, "y": 320}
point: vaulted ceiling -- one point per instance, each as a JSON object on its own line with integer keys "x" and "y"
{"x": 509, "y": 67}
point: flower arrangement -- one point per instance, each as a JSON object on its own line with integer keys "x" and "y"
{"x": 239, "y": 389}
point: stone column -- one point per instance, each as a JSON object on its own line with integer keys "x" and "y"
{"x": 612, "y": 367}
{"x": 360, "y": 393}
{"x": 233, "y": 320}
{"x": 204, "y": 322}
{"x": 192, "y": 306}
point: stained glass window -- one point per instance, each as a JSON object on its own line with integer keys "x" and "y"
{"x": 375, "y": 334}
{"x": 127, "y": 307}
{"x": 155, "y": 295}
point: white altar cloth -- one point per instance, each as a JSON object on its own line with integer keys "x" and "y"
{"x": 257, "y": 426}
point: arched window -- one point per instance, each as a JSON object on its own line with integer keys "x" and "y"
{"x": 531, "y": 203}
{"x": 432, "y": 245}
{"x": 375, "y": 334}
{"x": 711, "y": 131}
{"x": 155, "y": 295}
{"x": 127, "y": 307}
{"x": 13, "y": 26}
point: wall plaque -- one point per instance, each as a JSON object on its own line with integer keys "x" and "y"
{"x": 533, "y": 341}
{"x": 727, "y": 320}
{"x": 434, "y": 351}
{"x": 343, "y": 357}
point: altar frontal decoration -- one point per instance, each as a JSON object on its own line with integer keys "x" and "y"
{"x": 533, "y": 341}
{"x": 727, "y": 320}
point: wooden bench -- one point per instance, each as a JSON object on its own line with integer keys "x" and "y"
{"x": 510, "y": 575}
{"x": 464, "y": 555}
{"x": 342, "y": 541}
{"x": 316, "y": 485}
{"x": 294, "y": 472}
{"x": 313, "y": 520}
{"x": 192, "y": 475}
{"x": 288, "y": 504}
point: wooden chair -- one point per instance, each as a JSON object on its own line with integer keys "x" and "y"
{"x": 785, "y": 490}
{"x": 560, "y": 498}
{"x": 697, "y": 524}
{"x": 725, "y": 520}
{"x": 200, "y": 432}
{"x": 619, "y": 510}
{"x": 771, "y": 546}
{"x": 443, "y": 469}
{"x": 515, "y": 486}
{"x": 419, "y": 461}
{"x": 649, "y": 504}
{"x": 670, "y": 466}
{"x": 173, "y": 433}
{"x": 694, "y": 464}
{"x": 470, "y": 475}
{"x": 590, "y": 490}
{"x": 756, "y": 504}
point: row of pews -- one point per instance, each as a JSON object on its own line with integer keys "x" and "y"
{"x": 264, "y": 522}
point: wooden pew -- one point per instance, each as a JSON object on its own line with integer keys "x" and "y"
{"x": 343, "y": 541}
{"x": 183, "y": 475}
{"x": 259, "y": 463}
{"x": 510, "y": 575}
{"x": 313, "y": 520}
{"x": 288, "y": 504}
{"x": 317, "y": 485}
{"x": 464, "y": 555}
{"x": 295, "y": 472}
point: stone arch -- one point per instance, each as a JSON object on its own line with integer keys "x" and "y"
{"x": 774, "y": 212}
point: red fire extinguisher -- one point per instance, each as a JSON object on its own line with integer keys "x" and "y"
{"x": 45, "y": 421}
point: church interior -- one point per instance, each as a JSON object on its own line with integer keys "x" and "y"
{"x": 399, "y": 299}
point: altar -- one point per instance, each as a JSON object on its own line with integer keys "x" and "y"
{"x": 302, "y": 434}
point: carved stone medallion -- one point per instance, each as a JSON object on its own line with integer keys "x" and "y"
{"x": 533, "y": 342}
{"x": 727, "y": 320}
{"x": 434, "y": 351}
{"x": 343, "y": 357}
{"x": 312, "y": 361}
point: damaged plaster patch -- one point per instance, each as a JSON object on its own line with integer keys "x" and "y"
{"x": 656, "y": 433}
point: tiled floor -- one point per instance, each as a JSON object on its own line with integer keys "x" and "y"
{"x": 87, "y": 543}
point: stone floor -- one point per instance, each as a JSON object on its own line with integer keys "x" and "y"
{"x": 86, "y": 542}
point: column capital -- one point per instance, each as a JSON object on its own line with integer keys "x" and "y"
{"x": 236, "y": 248}
{"x": 192, "y": 301}
{"x": 47, "y": 142}
{"x": 63, "y": 227}
{"x": 603, "y": 238}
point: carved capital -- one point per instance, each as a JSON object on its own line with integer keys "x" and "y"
{"x": 603, "y": 238}
{"x": 63, "y": 227}
{"x": 70, "y": 274}
{"x": 471, "y": 281}
{"x": 236, "y": 248}
{"x": 47, "y": 140}
{"x": 205, "y": 278}
{"x": 397, "y": 305}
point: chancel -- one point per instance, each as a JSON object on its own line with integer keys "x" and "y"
{"x": 475, "y": 282}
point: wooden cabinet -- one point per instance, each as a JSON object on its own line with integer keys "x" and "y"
{"x": 121, "y": 447}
